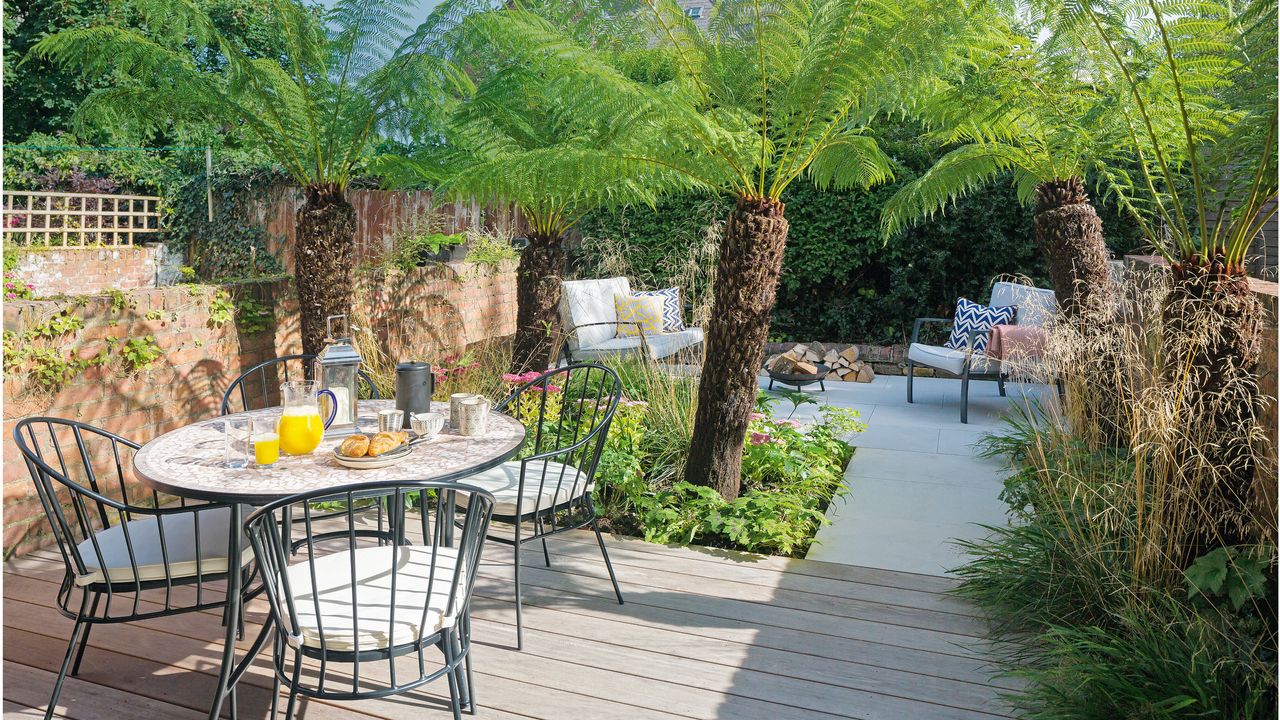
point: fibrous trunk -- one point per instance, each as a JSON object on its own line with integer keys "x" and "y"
{"x": 1069, "y": 233}
{"x": 538, "y": 300}
{"x": 1212, "y": 324}
{"x": 326, "y": 228}
{"x": 745, "y": 289}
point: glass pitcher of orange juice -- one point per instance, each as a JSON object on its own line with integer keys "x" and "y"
{"x": 300, "y": 428}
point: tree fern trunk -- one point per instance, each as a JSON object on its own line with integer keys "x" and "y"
{"x": 538, "y": 302}
{"x": 326, "y": 228}
{"x": 1069, "y": 233}
{"x": 745, "y": 289}
{"x": 1212, "y": 324}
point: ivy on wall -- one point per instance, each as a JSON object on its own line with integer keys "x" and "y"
{"x": 840, "y": 281}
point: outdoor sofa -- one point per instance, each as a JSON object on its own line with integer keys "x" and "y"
{"x": 590, "y": 322}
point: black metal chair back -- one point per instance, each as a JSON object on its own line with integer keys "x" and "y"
{"x": 567, "y": 412}
{"x": 115, "y": 536}
{"x": 259, "y": 386}
{"x": 352, "y": 603}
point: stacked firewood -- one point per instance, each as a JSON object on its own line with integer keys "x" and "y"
{"x": 803, "y": 359}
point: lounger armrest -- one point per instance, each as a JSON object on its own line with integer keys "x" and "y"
{"x": 915, "y": 329}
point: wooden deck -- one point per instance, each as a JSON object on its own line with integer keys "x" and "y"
{"x": 704, "y": 634}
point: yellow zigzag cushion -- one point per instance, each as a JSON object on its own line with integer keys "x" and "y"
{"x": 638, "y": 314}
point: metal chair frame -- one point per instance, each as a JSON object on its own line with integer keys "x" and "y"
{"x": 966, "y": 372}
{"x": 262, "y": 368}
{"x": 577, "y": 443}
{"x": 273, "y": 552}
{"x": 93, "y": 510}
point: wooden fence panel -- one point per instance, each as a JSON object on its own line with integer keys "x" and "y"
{"x": 79, "y": 219}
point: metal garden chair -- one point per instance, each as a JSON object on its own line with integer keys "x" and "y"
{"x": 548, "y": 491}
{"x": 352, "y": 605}
{"x": 128, "y": 554}
{"x": 259, "y": 386}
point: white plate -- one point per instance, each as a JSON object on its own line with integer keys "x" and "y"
{"x": 386, "y": 459}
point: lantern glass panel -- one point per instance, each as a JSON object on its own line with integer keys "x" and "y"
{"x": 341, "y": 379}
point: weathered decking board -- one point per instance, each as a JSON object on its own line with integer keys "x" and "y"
{"x": 705, "y": 634}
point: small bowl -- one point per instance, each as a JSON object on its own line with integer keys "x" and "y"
{"x": 426, "y": 425}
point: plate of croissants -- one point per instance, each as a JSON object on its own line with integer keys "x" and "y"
{"x": 367, "y": 452}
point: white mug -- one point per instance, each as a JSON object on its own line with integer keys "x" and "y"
{"x": 474, "y": 413}
{"x": 455, "y": 418}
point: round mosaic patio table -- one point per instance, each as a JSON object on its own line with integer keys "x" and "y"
{"x": 188, "y": 462}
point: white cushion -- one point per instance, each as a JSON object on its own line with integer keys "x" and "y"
{"x": 1036, "y": 306}
{"x": 583, "y": 302}
{"x": 562, "y": 484}
{"x": 660, "y": 346}
{"x": 372, "y": 603}
{"x": 948, "y": 359}
{"x": 179, "y": 548}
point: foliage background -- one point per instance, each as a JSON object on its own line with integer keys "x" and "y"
{"x": 840, "y": 281}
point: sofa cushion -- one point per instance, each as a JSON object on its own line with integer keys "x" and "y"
{"x": 949, "y": 359}
{"x": 672, "y": 311}
{"x": 638, "y": 315}
{"x": 660, "y": 346}
{"x": 546, "y": 485}
{"x": 1036, "y": 306}
{"x": 976, "y": 319}
{"x": 179, "y": 554}
{"x": 583, "y": 302}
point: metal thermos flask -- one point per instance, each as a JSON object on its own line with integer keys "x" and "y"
{"x": 414, "y": 388}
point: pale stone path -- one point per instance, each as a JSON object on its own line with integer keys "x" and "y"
{"x": 916, "y": 482}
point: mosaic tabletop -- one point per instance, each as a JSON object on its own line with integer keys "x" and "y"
{"x": 190, "y": 460}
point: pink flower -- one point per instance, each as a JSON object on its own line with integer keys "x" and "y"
{"x": 756, "y": 416}
{"x": 511, "y": 377}
{"x": 788, "y": 422}
{"x": 759, "y": 438}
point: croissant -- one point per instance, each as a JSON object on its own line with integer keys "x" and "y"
{"x": 354, "y": 446}
{"x": 383, "y": 442}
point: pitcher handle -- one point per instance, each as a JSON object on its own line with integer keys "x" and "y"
{"x": 333, "y": 406}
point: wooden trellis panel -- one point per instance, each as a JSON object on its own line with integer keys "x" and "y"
{"x": 79, "y": 219}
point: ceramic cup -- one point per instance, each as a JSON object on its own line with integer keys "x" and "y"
{"x": 474, "y": 415}
{"x": 390, "y": 420}
{"x": 426, "y": 424}
{"x": 455, "y": 400}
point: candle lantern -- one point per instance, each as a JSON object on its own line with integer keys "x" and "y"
{"x": 338, "y": 370}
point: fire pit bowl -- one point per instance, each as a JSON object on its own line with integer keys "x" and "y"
{"x": 798, "y": 381}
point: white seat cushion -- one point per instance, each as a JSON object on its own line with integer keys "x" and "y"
{"x": 660, "y": 346}
{"x": 179, "y": 550}
{"x": 948, "y": 359}
{"x": 583, "y": 302}
{"x": 372, "y": 604}
{"x": 562, "y": 484}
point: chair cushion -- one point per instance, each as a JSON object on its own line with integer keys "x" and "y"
{"x": 583, "y": 302}
{"x": 372, "y": 604}
{"x": 638, "y": 315}
{"x": 672, "y": 311}
{"x": 949, "y": 359}
{"x": 562, "y": 483}
{"x": 1036, "y": 306}
{"x": 660, "y": 346}
{"x": 179, "y": 550}
{"x": 979, "y": 319}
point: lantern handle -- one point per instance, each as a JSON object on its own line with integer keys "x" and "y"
{"x": 328, "y": 325}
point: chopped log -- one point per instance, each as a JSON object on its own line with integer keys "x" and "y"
{"x": 805, "y": 368}
{"x": 818, "y": 348}
{"x": 831, "y": 357}
{"x": 866, "y": 374}
{"x": 850, "y": 354}
{"x": 784, "y": 364}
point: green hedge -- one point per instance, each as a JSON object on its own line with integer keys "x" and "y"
{"x": 840, "y": 281}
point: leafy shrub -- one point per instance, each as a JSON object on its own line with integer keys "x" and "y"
{"x": 419, "y": 249}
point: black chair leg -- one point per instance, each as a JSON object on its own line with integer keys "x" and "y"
{"x": 964, "y": 397}
{"x": 608, "y": 565}
{"x": 455, "y": 692}
{"x": 546, "y": 554}
{"x": 76, "y": 635}
{"x": 84, "y": 642}
{"x": 1001, "y": 382}
{"x": 911, "y": 376}
{"x": 466, "y": 661}
{"x": 519, "y": 611}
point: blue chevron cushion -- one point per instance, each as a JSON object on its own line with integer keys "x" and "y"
{"x": 672, "y": 315}
{"x": 971, "y": 316}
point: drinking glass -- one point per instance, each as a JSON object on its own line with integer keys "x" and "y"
{"x": 266, "y": 441}
{"x": 235, "y": 442}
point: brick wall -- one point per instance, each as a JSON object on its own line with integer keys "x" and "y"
{"x": 424, "y": 315}
{"x": 68, "y": 271}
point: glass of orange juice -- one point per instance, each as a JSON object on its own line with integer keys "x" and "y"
{"x": 266, "y": 441}
{"x": 301, "y": 428}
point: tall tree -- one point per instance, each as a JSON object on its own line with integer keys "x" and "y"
{"x": 315, "y": 109}
{"x": 514, "y": 135}
{"x": 1200, "y": 82}
{"x": 769, "y": 93}
{"x": 1017, "y": 108}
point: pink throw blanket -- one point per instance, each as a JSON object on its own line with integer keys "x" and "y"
{"x": 1017, "y": 342}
